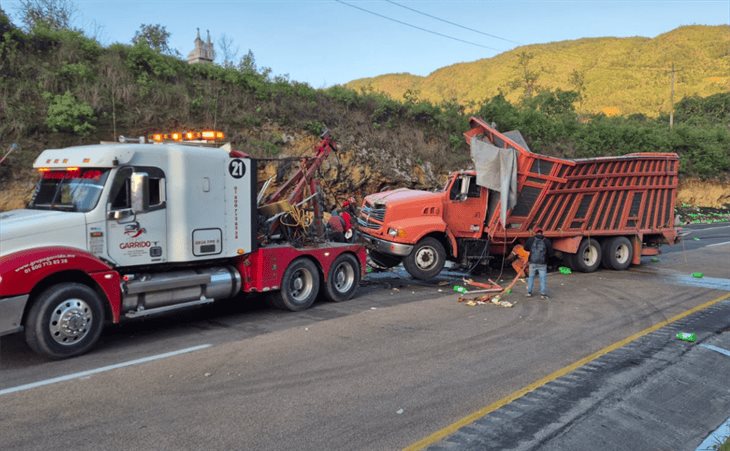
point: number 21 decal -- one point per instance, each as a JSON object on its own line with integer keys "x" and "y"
{"x": 237, "y": 168}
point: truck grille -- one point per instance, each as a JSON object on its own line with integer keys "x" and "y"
{"x": 362, "y": 222}
{"x": 375, "y": 213}
{"x": 369, "y": 214}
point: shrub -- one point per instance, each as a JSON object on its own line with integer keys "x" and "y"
{"x": 68, "y": 114}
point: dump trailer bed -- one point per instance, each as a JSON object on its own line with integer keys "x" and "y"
{"x": 631, "y": 195}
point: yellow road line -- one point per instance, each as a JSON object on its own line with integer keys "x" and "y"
{"x": 453, "y": 427}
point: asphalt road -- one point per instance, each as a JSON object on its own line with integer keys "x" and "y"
{"x": 381, "y": 371}
{"x": 701, "y": 235}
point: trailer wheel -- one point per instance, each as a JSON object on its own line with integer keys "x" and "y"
{"x": 343, "y": 278}
{"x": 299, "y": 286}
{"x": 66, "y": 320}
{"x": 617, "y": 253}
{"x": 588, "y": 257}
{"x": 384, "y": 260}
{"x": 426, "y": 260}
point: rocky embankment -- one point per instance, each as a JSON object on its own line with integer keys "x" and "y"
{"x": 366, "y": 162}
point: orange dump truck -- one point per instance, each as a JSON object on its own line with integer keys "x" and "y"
{"x": 597, "y": 211}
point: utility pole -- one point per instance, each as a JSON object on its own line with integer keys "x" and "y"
{"x": 671, "y": 97}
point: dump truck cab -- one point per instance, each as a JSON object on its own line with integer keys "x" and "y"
{"x": 423, "y": 228}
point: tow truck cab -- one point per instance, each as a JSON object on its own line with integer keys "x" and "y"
{"x": 161, "y": 216}
{"x": 112, "y": 201}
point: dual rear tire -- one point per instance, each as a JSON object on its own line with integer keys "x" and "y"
{"x": 301, "y": 283}
{"x": 617, "y": 253}
{"x": 588, "y": 257}
{"x": 343, "y": 278}
{"x": 614, "y": 253}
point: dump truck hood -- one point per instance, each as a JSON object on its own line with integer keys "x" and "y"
{"x": 26, "y": 229}
{"x": 404, "y": 196}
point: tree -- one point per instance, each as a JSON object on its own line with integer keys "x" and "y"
{"x": 247, "y": 65}
{"x": 228, "y": 51}
{"x": 578, "y": 81}
{"x": 53, "y": 14}
{"x": 115, "y": 82}
{"x": 553, "y": 103}
{"x": 5, "y": 24}
{"x": 155, "y": 37}
{"x": 411, "y": 96}
{"x": 526, "y": 78}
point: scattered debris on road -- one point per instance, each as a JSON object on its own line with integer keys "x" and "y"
{"x": 492, "y": 292}
{"x": 687, "y": 336}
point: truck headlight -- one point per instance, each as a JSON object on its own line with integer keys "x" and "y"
{"x": 396, "y": 232}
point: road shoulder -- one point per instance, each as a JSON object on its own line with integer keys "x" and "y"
{"x": 654, "y": 393}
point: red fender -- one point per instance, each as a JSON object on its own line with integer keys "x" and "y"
{"x": 263, "y": 269}
{"x": 21, "y": 271}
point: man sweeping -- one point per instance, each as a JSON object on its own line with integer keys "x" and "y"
{"x": 540, "y": 249}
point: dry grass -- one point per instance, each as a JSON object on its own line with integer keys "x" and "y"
{"x": 16, "y": 194}
{"x": 700, "y": 193}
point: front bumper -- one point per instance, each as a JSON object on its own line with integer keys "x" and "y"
{"x": 11, "y": 314}
{"x": 388, "y": 247}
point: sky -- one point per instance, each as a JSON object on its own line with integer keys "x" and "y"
{"x": 327, "y": 42}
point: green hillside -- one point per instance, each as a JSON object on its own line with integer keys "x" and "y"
{"x": 619, "y": 75}
{"x": 60, "y": 87}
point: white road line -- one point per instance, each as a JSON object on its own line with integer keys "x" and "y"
{"x": 68, "y": 377}
{"x": 709, "y": 228}
{"x": 718, "y": 244}
{"x": 716, "y": 349}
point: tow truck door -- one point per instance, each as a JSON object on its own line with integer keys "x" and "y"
{"x": 137, "y": 237}
{"x": 465, "y": 208}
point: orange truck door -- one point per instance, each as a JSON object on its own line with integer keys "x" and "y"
{"x": 465, "y": 216}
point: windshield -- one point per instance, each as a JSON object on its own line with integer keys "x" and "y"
{"x": 69, "y": 189}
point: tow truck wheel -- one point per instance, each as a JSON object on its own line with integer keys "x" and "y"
{"x": 426, "y": 260}
{"x": 299, "y": 286}
{"x": 617, "y": 253}
{"x": 384, "y": 260}
{"x": 343, "y": 278}
{"x": 588, "y": 257}
{"x": 66, "y": 320}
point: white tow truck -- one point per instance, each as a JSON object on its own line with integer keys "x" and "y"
{"x": 117, "y": 231}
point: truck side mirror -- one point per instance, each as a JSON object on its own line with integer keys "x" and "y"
{"x": 140, "y": 192}
{"x": 464, "y": 194}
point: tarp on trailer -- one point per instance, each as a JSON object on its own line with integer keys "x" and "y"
{"x": 517, "y": 137}
{"x": 496, "y": 170}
